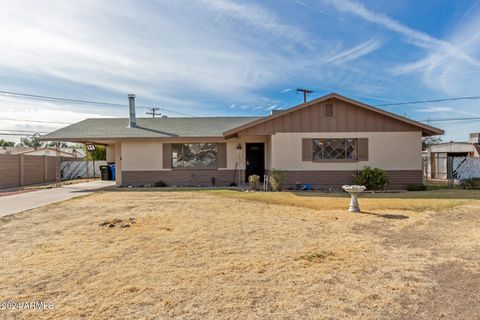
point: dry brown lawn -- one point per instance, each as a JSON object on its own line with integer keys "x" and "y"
{"x": 205, "y": 255}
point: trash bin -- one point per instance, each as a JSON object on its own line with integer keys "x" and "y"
{"x": 112, "y": 171}
{"x": 106, "y": 172}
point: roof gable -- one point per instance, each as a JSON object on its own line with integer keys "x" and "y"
{"x": 350, "y": 116}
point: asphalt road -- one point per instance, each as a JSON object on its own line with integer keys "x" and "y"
{"x": 31, "y": 200}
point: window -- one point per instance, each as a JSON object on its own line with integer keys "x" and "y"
{"x": 196, "y": 155}
{"x": 334, "y": 149}
{"x": 329, "y": 110}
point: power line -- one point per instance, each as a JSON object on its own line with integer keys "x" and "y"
{"x": 451, "y": 119}
{"x": 78, "y": 101}
{"x": 39, "y": 121}
{"x": 28, "y": 131}
{"x": 428, "y": 101}
{"x": 15, "y": 134}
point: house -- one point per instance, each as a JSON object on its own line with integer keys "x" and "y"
{"x": 43, "y": 151}
{"x": 437, "y": 155}
{"x": 322, "y": 142}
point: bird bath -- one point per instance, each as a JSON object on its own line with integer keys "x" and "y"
{"x": 354, "y": 191}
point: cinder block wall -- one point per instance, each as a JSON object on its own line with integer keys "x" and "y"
{"x": 19, "y": 170}
{"x": 9, "y": 171}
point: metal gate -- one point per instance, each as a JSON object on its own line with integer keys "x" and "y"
{"x": 450, "y": 168}
{"x": 77, "y": 169}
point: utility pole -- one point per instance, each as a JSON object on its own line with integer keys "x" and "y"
{"x": 306, "y": 92}
{"x": 154, "y": 112}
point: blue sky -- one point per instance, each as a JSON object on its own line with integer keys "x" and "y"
{"x": 208, "y": 57}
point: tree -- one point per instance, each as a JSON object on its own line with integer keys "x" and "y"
{"x": 5, "y": 143}
{"x": 61, "y": 145}
{"x": 100, "y": 153}
{"x": 30, "y": 142}
{"x": 428, "y": 141}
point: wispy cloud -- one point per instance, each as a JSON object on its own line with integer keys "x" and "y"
{"x": 355, "y": 52}
{"x": 271, "y": 107}
{"x": 416, "y": 37}
{"x": 446, "y": 72}
{"x": 254, "y": 16}
{"x": 435, "y": 109}
{"x": 286, "y": 90}
{"x": 232, "y": 106}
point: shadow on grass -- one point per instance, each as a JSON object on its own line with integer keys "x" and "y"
{"x": 387, "y": 216}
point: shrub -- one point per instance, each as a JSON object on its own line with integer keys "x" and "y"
{"x": 470, "y": 183}
{"x": 372, "y": 178}
{"x": 417, "y": 187}
{"x": 254, "y": 182}
{"x": 276, "y": 179}
{"x": 159, "y": 184}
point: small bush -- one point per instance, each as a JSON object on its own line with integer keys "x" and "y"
{"x": 254, "y": 182}
{"x": 276, "y": 179}
{"x": 372, "y": 178}
{"x": 417, "y": 187}
{"x": 470, "y": 183}
{"x": 160, "y": 184}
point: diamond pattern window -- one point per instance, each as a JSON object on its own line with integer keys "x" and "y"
{"x": 334, "y": 149}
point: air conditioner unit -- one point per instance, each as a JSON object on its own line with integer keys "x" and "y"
{"x": 474, "y": 137}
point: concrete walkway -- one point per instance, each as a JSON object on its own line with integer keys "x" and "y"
{"x": 30, "y": 200}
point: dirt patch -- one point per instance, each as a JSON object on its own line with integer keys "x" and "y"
{"x": 453, "y": 295}
{"x": 118, "y": 223}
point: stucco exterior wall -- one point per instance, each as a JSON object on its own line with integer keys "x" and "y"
{"x": 143, "y": 155}
{"x": 146, "y": 155}
{"x": 237, "y": 157}
{"x": 387, "y": 151}
{"x": 110, "y": 153}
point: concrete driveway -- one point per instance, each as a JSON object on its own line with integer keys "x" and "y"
{"x": 30, "y": 200}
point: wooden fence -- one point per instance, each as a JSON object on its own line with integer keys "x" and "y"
{"x": 22, "y": 170}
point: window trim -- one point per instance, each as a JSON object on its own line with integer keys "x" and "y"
{"x": 336, "y": 160}
{"x": 194, "y": 168}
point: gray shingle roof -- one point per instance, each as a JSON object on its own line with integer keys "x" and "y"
{"x": 108, "y": 128}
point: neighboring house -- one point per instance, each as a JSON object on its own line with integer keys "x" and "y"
{"x": 43, "y": 151}
{"x": 322, "y": 142}
{"x": 436, "y": 155}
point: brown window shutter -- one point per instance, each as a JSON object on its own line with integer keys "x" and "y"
{"x": 221, "y": 155}
{"x": 362, "y": 149}
{"x": 167, "y": 155}
{"x": 307, "y": 150}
